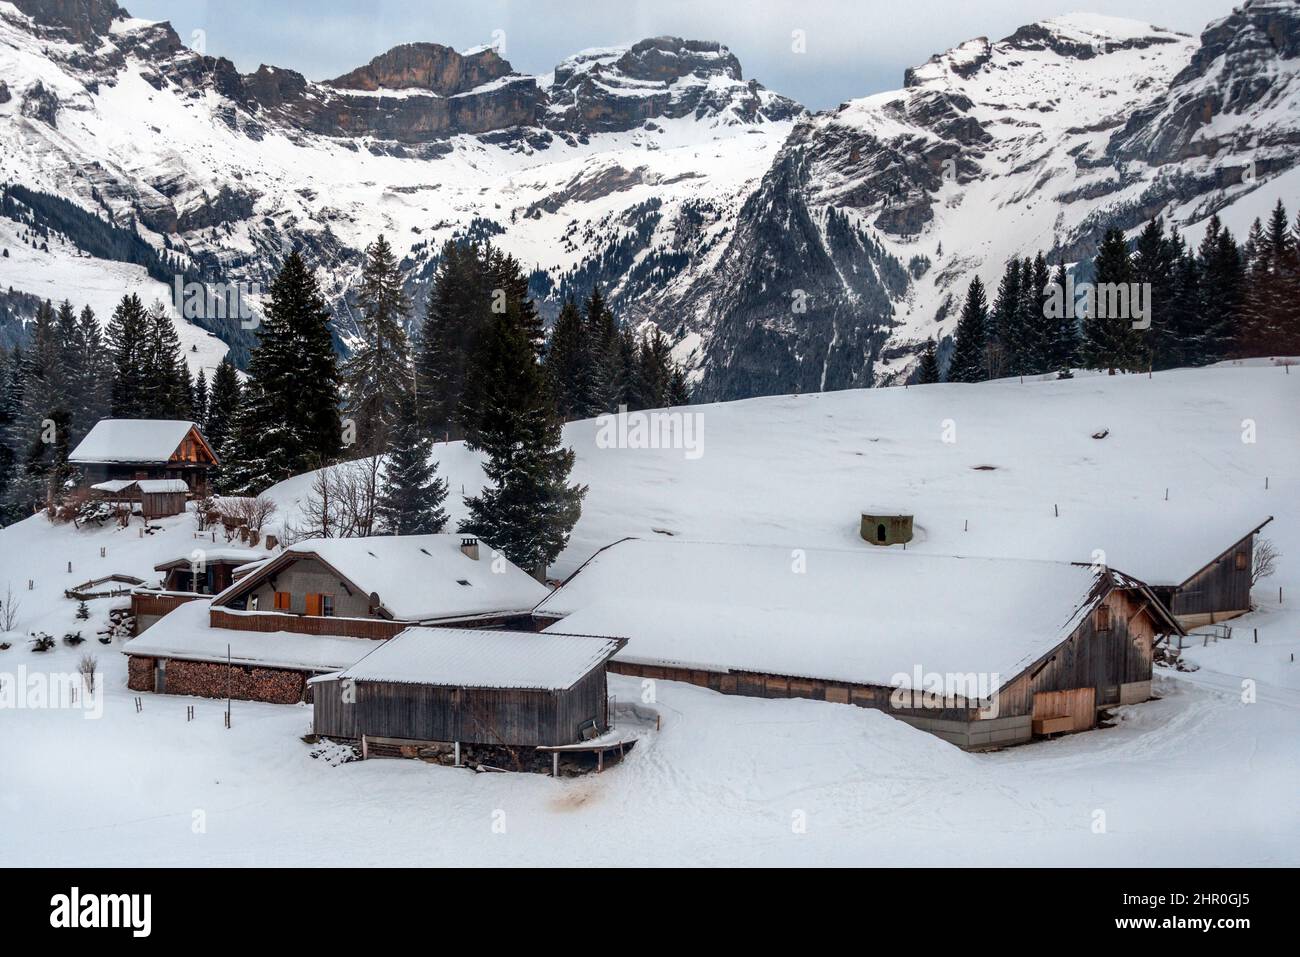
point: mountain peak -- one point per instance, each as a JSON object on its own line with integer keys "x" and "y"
{"x": 81, "y": 20}
{"x": 426, "y": 66}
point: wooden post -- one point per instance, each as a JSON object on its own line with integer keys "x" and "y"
{"x": 1056, "y": 509}
{"x": 227, "y": 685}
{"x": 457, "y": 754}
{"x": 365, "y": 748}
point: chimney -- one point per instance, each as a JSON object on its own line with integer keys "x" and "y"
{"x": 469, "y": 548}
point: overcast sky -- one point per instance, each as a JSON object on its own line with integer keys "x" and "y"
{"x": 853, "y": 48}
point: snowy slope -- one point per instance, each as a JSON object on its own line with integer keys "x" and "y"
{"x": 730, "y": 779}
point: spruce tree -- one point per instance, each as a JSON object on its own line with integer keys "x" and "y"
{"x": 223, "y": 401}
{"x": 411, "y": 496}
{"x": 1063, "y": 353}
{"x": 569, "y": 365}
{"x": 1110, "y": 341}
{"x": 529, "y": 509}
{"x": 602, "y": 334}
{"x": 94, "y": 375}
{"x": 927, "y": 371}
{"x": 1153, "y": 269}
{"x": 378, "y": 374}
{"x": 1004, "y": 328}
{"x": 128, "y": 341}
{"x": 457, "y": 311}
{"x": 200, "y": 400}
{"x": 968, "y": 354}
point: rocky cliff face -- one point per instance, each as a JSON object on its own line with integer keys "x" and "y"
{"x": 429, "y": 67}
{"x": 780, "y": 251}
{"x": 663, "y": 77}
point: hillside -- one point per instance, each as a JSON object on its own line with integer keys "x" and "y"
{"x": 727, "y": 779}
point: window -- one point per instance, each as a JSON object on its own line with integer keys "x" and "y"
{"x": 880, "y": 532}
{"x": 283, "y": 601}
{"x": 1103, "y": 618}
{"x": 1241, "y": 561}
{"x": 461, "y": 581}
{"x": 320, "y": 604}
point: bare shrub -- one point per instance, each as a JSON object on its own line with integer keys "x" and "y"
{"x": 1265, "y": 561}
{"x": 88, "y": 666}
{"x": 341, "y": 503}
{"x": 9, "y": 610}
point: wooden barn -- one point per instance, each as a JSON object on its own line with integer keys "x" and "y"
{"x": 1203, "y": 594}
{"x": 151, "y": 450}
{"x": 153, "y": 498}
{"x": 403, "y": 579}
{"x": 453, "y": 686}
{"x": 318, "y": 606}
{"x": 982, "y": 652}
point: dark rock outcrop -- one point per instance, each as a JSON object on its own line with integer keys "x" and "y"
{"x": 425, "y": 66}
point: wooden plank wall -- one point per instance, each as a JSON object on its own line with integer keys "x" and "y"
{"x": 1221, "y": 586}
{"x": 505, "y": 716}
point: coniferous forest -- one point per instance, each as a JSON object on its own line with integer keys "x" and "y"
{"x": 479, "y": 366}
{"x": 1220, "y": 300}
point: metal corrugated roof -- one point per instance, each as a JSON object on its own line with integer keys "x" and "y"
{"x": 468, "y": 658}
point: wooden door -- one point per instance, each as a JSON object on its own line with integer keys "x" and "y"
{"x": 1078, "y": 704}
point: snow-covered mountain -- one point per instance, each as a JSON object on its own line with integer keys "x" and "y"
{"x": 780, "y": 250}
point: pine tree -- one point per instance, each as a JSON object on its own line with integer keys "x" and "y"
{"x": 457, "y": 311}
{"x": 655, "y": 370}
{"x": 570, "y": 366}
{"x": 1153, "y": 270}
{"x": 93, "y": 369}
{"x": 40, "y": 433}
{"x": 200, "y": 400}
{"x": 128, "y": 341}
{"x": 1062, "y": 320}
{"x": 1109, "y": 340}
{"x": 378, "y": 374}
{"x": 1222, "y": 280}
{"x": 1186, "y": 343}
{"x": 602, "y": 334}
{"x": 529, "y": 509}
{"x": 968, "y": 363}
{"x": 927, "y": 372}
{"x": 410, "y": 500}
{"x": 166, "y": 393}
{"x": 223, "y": 401}
{"x": 679, "y": 390}
{"x": 295, "y": 421}
{"x": 1004, "y": 329}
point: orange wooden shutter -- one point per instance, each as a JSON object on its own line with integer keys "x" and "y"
{"x": 282, "y": 602}
{"x": 313, "y": 604}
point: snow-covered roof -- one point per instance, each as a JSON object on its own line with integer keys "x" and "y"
{"x": 187, "y": 633}
{"x": 868, "y": 616}
{"x": 417, "y": 577}
{"x": 113, "y": 486}
{"x": 217, "y": 553}
{"x": 468, "y": 658}
{"x": 160, "y": 486}
{"x": 131, "y": 441}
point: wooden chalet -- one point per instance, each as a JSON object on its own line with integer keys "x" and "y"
{"x": 202, "y": 572}
{"x": 318, "y": 606}
{"x": 135, "y": 451}
{"x": 452, "y": 686}
{"x": 982, "y": 652}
